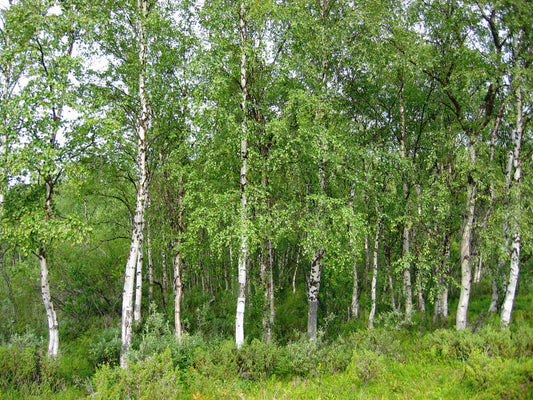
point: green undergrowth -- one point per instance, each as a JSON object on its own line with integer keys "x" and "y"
{"x": 367, "y": 364}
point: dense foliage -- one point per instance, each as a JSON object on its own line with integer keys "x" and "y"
{"x": 355, "y": 171}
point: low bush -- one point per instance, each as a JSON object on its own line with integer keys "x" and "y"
{"x": 154, "y": 378}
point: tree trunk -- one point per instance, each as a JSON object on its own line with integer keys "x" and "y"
{"x": 407, "y": 290}
{"x": 354, "y": 306}
{"x": 142, "y": 197}
{"x": 178, "y": 284}
{"x": 516, "y": 235}
{"x": 374, "y": 276}
{"x": 441, "y": 302}
{"x": 243, "y": 254}
{"x": 312, "y": 295}
{"x": 53, "y": 326}
{"x": 150, "y": 264}
{"x": 139, "y": 280}
{"x": 466, "y": 242}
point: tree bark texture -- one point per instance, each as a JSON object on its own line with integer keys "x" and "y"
{"x": 466, "y": 245}
{"x": 142, "y": 197}
{"x": 516, "y": 234}
{"x": 243, "y": 253}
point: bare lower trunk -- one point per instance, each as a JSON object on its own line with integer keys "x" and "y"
{"x": 312, "y": 296}
{"x": 441, "y": 302}
{"x": 495, "y": 295}
{"x": 142, "y": 197}
{"x": 150, "y": 265}
{"x": 139, "y": 281}
{"x": 178, "y": 291}
{"x": 267, "y": 282}
{"x": 53, "y": 327}
{"x": 407, "y": 290}
{"x": 295, "y": 271}
{"x": 374, "y": 279}
{"x": 465, "y": 255}
{"x": 354, "y": 306}
{"x": 164, "y": 276}
{"x": 243, "y": 254}
{"x": 516, "y": 235}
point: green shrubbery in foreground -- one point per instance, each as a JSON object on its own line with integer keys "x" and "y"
{"x": 490, "y": 364}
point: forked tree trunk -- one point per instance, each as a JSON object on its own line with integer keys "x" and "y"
{"x": 243, "y": 253}
{"x": 142, "y": 197}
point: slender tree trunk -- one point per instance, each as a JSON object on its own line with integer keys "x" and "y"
{"x": 296, "y": 271}
{"x": 243, "y": 254}
{"x": 386, "y": 250}
{"x": 142, "y": 197}
{"x": 354, "y": 306}
{"x": 267, "y": 279}
{"x": 53, "y": 326}
{"x": 164, "y": 276}
{"x": 516, "y": 235}
{"x": 441, "y": 302}
{"x": 139, "y": 280}
{"x": 407, "y": 290}
{"x": 312, "y": 295}
{"x": 150, "y": 264}
{"x": 466, "y": 242}
{"x": 178, "y": 284}
{"x": 374, "y": 275}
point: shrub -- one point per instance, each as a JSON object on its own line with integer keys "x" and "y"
{"x": 106, "y": 348}
{"x": 24, "y": 365}
{"x": 154, "y": 378}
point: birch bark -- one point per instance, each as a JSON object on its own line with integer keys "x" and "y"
{"x": 374, "y": 275}
{"x": 142, "y": 197}
{"x": 243, "y": 253}
{"x": 516, "y": 235}
{"x": 461, "y": 321}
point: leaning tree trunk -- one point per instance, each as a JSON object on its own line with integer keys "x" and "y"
{"x": 142, "y": 197}
{"x": 243, "y": 253}
{"x": 516, "y": 236}
{"x": 466, "y": 244}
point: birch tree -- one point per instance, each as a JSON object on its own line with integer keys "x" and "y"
{"x": 142, "y": 189}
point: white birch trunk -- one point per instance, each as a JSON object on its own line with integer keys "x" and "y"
{"x": 139, "y": 278}
{"x": 142, "y": 197}
{"x": 53, "y": 326}
{"x": 508, "y": 302}
{"x": 354, "y": 305}
{"x": 243, "y": 253}
{"x": 178, "y": 283}
{"x": 150, "y": 264}
{"x": 466, "y": 243}
{"x": 312, "y": 295}
{"x": 407, "y": 289}
{"x": 374, "y": 278}
{"x": 178, "y": 291}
